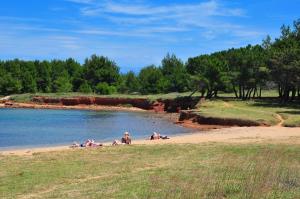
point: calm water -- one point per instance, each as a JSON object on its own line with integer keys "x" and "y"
{"x": 25, "y": 127}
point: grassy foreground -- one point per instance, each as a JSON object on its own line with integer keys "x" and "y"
{"x": 161, "y": 171}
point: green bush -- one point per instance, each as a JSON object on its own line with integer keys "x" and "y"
{"x": 85, "y": 88}
{"x": 105, "y": 89}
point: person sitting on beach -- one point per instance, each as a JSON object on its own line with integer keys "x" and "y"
{"x": 126, "y": 138}
{"x": 157, "y": 136}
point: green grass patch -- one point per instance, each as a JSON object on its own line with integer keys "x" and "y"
{"x": 162, "y": 171}
{"x": 262, "y": 111}
{"x": 292, "y": 119}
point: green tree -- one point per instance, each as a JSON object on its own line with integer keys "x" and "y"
{"x": 285, "y": 62}
{"x": 62, "y": 83}
{"x": 75, "y": 72}
{"x": 28, "y": 77}
{"x": 151, "y": 80}
{"x": 129, "y": 83}
{"x": 209, "y": 75}
{"x": 100, "y": 69}
{"x": 85, "y": 88}
{"x": 44, "y": 82}
{"x": 175, "y": 75}
{"x": 105, "y": 89}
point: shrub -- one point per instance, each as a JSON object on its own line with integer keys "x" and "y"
{"x": 85, "y": 88}
{"x": 105, "y": 89}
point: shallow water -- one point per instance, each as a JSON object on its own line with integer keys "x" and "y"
{"x": 21, "y": 128}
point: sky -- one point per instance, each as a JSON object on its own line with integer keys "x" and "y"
{"x": 136, "y": 33}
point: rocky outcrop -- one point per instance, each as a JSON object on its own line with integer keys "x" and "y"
{"x": 189, "y": 115}
{"x": 158, "y": 106}
{"x": 180, "y": 103}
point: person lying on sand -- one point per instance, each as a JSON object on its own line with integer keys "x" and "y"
{"x": 92, "y": 143}
{"x": 75, "y": 145}
{"x": 95, "y": 144}
{"x": 125, "y": 140}
{"x": 157, "y": 136}
{"x": 88, "y": 143}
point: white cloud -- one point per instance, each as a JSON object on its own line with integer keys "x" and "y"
{"x": 209, "y": 8}
{"x": 208, "y": 17}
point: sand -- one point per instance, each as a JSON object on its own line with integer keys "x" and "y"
{"x": 238, "y": 135}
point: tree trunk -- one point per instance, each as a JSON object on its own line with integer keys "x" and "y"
{"x": 251, "y": 90}
{"x": 260, "y": 92}
{"x": 293, "y": 94}
{"x": 286, "y": 94}
{"x": 209, "y": 94}
{"x": 248, "y": 94}
{"x": 254, "y": 92}
{"x": 235, "y": 92}
{"x": 280, "y": 91}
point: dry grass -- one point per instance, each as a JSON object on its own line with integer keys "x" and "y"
{"x": 161, "y": 171}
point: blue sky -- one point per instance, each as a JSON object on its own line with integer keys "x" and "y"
{"x": 136, "y": 33}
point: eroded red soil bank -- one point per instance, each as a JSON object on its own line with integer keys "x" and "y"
{"x": 160, "y": 105}
{"x": 196, "y": 118}
{"x": 135, "y": 102}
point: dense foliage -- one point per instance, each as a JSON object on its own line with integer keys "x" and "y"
{"x": 244, "y": 71}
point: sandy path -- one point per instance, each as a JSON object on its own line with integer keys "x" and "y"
{"x": 239, "y": 135}
{"x": 281, "y": 120}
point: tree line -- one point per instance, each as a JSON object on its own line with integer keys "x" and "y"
{"x": 244, "y": 71}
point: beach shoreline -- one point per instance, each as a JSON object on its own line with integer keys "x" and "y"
{"x": 233, "y": 135}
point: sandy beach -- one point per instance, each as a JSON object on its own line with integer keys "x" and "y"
{"x": 234, "y": 135}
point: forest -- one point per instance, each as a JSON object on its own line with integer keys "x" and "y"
{"x": 245, "y": 71}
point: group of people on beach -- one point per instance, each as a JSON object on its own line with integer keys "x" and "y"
{"x": 126, "y": 139}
